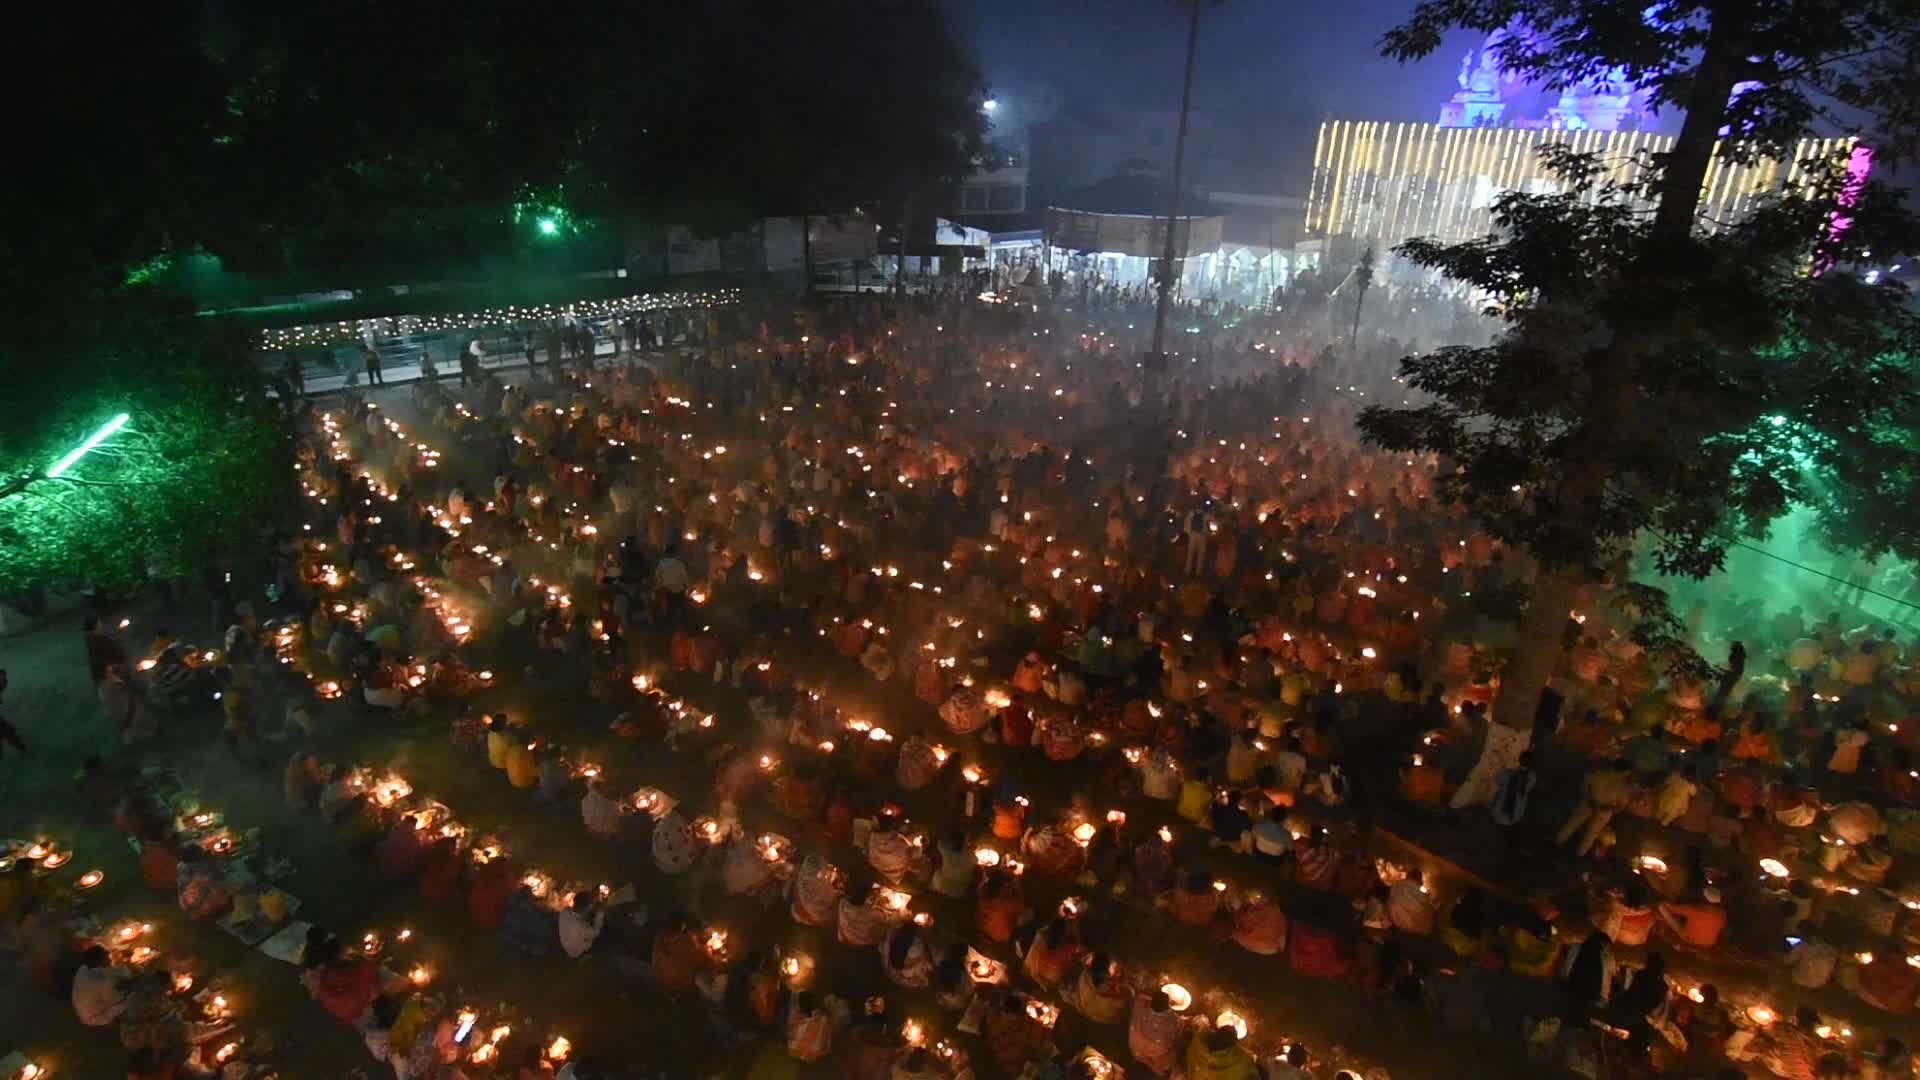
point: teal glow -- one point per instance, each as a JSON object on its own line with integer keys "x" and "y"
{"x": 93, "y": 440}
{"x": 1777, "y": 421}
{"x": 548, "y": 226}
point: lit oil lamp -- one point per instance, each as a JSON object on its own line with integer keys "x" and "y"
{"x": 1046, "y": 1015}
{"x": 1179, "y": 999}
{"x": 1230, "y": 1019}
{"x": 558, "y": 1049}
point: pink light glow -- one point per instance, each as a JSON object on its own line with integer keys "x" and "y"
{"x": 1858, "y": 165}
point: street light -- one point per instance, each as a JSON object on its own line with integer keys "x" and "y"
{"x": 990, "y": 105}
{"x": 106, "y": 430}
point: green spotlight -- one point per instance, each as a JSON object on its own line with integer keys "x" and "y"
{"x": 548, "y": 226}
{"x": 93, "y": 440}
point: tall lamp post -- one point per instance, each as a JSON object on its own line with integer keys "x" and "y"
{"x": 1173, "y": 210}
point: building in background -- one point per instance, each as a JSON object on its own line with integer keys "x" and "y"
{"x": 1379, "y": 182}
{"x": 1116, "y": 229}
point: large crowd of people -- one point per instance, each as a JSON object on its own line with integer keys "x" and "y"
{"x": 1037, "y": 675}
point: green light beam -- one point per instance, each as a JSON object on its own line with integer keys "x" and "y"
{"x": 93, "y": 440}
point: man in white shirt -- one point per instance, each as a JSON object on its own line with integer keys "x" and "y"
{"x": 1813, "y": 961}
{"x": 580, "y": 925}
{"x": 98, "y": 999}
{"x": 1291, "y": 1065}
{"x": 670, "y": 573}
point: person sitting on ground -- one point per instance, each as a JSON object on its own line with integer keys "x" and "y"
{"x": 1000, "y": 907}
{"x": 680, "y": 955}
{"x": 1589, "y": 970}
{"x": 1154, "y": 1031}
{"x": 1195, "y": 901}
{"x": 1696, "y": 923}
{"x": 580, "y": 924}
{"x": 888, "y": 851}
{"x": 1053, "y": 952}
{"x": 1291, "y": 1065}
{"x": 906, "y": 958}
{"x": 811, "y": 1024}
{"x": 1013, "y": 1037}
{"x": 1218, "y": 1055}
{"x": 1259, "y": 926}
{"x": 1465, "y": 929}
{"x": 99, "y": 987}
{"x": 1606, "y": 791}
{"x": 1411, "y": 906}
{"x": 1098, "y": 992}
{"x": 1272, "y": 840}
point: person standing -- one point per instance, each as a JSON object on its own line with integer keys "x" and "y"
{"x": 371, "y": 361}
{"x": 1511, "y": 794}
{"x": 470, "y": 364}
{"x": 428, "y": 373}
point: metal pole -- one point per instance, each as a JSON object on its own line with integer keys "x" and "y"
{"x": 1173, "y": 211}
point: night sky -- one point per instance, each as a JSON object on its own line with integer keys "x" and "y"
{"x": 1262, "y": 63}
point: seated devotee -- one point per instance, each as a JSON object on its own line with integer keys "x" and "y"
{"x": 599, "y": 812}
{"x": 1218, "y": 1055}
{"x": 954, "y": 865}
{"x": 815, "y": 893}
{"x": 1530, "y": 946}
{"x": 527, "y": 924}
{"x": 1194, "y": 901}
{"x": 889, "y": 852}
{"x": 1411, "y": 905}
{"x": 680, "y": 956}
{"x": 99, "y": 988}
{"x": 812, "y": 1024}
{"x": 675, "y": 848}
{"x": 863, "y": 924}
{"x": 1697, "y": 923}
{"x": 580, "y": 924}
{"x": 1098, "y": 992}
{"x": 1013, "y": 1037}
{"x": 1000, "y": 907}
{"x": 343, "y": 983}
{"x": 1272, "y": 840}
{"x": 1154, "y": 1031}
{"x": 906, "y": 957}
{"x": 1052, "y": 953}
{"x": 1464, "y": 930}
{"x": 1259, "y": 926}
{"x": 203, "y": 891}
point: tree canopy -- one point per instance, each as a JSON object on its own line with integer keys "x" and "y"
{"x": 360, "y": 143}
{"x": 1667, "y": 384}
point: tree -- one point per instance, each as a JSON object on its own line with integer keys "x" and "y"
{"x": 360, "y": 143}
{"x": 187, "y": 478}
{"x": 1632, "y": 400}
